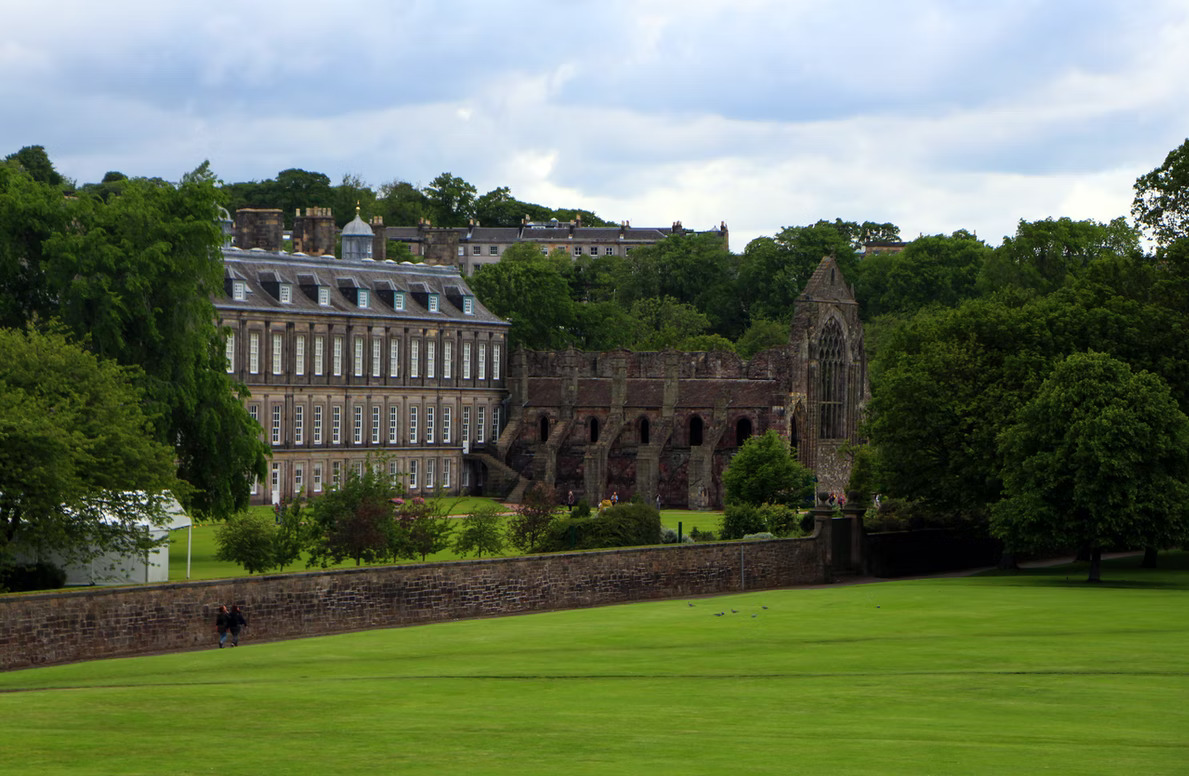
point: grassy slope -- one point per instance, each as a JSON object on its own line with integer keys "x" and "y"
{"x": 1023, "y": 673}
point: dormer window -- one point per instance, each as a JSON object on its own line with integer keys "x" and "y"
{"x": 285, "y": 293}
{"x": 398, "y": 300}
{"x": 363, "y": 298}
{"x": 239, "y": 290}
{"x": 468, "y": 305}
{"x": 324, "y": 296}
{"x": 433, "y": 303}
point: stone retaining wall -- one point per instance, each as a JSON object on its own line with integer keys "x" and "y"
{"x": 62, "y": 627}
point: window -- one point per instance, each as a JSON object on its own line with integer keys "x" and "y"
{"x": 324, "y": 296}
{"x": 358, "y": 363}
{"x": 363, "y": 299}
{"x": 447, "y": 358}
{"x": 336, "y": 425}
{"x": 375, "y": 424}
{"x": 319, "y": 347}
{"x": 495, "y": 362}
{"x": 276, "y": 354}
{"x": 482, "y": 362}
{"x": 357, "y": 468}
{"x": 495, "y": 422}
{"x": 831, "y": 382}
{"x": 255, "y": 485}
{"x": 479, "y": 426}
{"x": 299, "y": 354}
{"x": 230, "y": 352}
{"x": 466, "y": 361}
{"x": 412, "y": 425}
{"x": 377, "y": 352}
{"x": 577, "y": 250}
{"x": 254, "y": 412}
{"x": 608, "y": 251}
{"x": 494, "y": 250}
{"x": 299, "y": 424}
{"x": 413, "y": 474}
{"x": 337, "y": 357}
{"x": 276, "y": 424}
{"x": 445, "y": 472}
{"x": 299, "y": 475}
{"x": 462, "y": 251}
{"x": 239, "y": 290}
{"x": 275, "y": 478}
{"x": 466, "y": 424}
{"x": 466, "y": 476}
{"x": 429, "y": 425}
{"x": 393, "y": 471}
{"x": 394, "y": 424}
{"x": 430, "y": 358}
{"x": 285, "y": 293}
{"x": 429, "y": 462}
{"x": 317, "y": 478}
{"x": 357, "y": 424}
{"x": 414, "y": 358}
{"x": 433, "y": 303}
{"x": 477, "y": 250}
{"x": 336, "y": 473}
{"x": 468, "y": 305}
{"x": 254, "y": 353}
{"x": 317, "y": 424}
{"x": 446, "y": 413}
{"x": 398, "y": 300}
{"x": 394, "y": 357}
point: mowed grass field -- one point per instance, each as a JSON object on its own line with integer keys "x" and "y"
{"x": 1032, "y": 672}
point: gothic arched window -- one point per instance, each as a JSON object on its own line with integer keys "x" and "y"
{"x": 831, "y": 383}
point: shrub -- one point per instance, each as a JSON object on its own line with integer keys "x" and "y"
{"x": 700, "y": 536}
{"x": 780, "y": 520}
{"x": 581, "y": 509}
{"x": 738, "y": 520}
{"x": 668, "y": 536}
{"x": 625, "y": 525}
{"x": 33, "y": 576}
{"x": 760, "y": 535}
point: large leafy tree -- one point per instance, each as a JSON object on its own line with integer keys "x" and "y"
{"x": 1100, "y": 456}
{"x": 133, "y": 276}
{"x": 538, "y": 510}
{"x": 76, "y": 445}
{"x": 529, "y": 291}
{"x": 451, "y": 199}
{"x": 1161, "y": 205}
{"x": 773, "y": 271}
{"x": 764, "y": 471}
{"x": 355, "y": 520}
{"x": 694, "y": 269}
{"x": 930, "y": 270}
{"x": 1044, "y": 255}
{"x": 482, "y": 531}
{"x": 36, "y": 163}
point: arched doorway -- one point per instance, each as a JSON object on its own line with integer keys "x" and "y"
{"x": 742, "y": 431}
{"x": 695, "y": 431}
{"x": 594, "y": 430}
{"x": 544, "y": 425}
{"x": 644, "y": 429}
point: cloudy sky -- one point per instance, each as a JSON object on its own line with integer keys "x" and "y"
{"x": 933, "y": 114}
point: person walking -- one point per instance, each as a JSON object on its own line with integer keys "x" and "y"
{"x": 222, "y": 624}
{"x": 235, "y": 624}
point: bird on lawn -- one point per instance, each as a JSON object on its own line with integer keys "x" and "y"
{"x": 719, "y": 614}
{"x": 734, "y": 611}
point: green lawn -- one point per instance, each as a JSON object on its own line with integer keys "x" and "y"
{"x": 1024, "y": 673}
{"x": 203, "y": 564}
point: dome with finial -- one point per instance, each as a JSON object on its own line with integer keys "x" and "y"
{"x": 357, "y": 238}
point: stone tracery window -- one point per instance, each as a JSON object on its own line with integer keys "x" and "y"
{"x": 831, "y": 383}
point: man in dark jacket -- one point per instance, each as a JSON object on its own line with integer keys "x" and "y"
{"x": 222, "y": 624}
{"x": 235, "y": 623}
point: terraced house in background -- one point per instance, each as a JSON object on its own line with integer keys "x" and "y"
{"x": 470, "y": 247}
{"x": 352, "y": 357}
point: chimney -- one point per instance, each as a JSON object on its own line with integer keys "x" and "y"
{"x": 379, "y": 239}
{"x": 259, "y": 228}
{"x": 314, "y": 232}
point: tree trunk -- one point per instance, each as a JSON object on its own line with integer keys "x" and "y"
{"x": 1083, "y": 555}
{"x": 1007, "y": 561}
{"x": 1095, "y": 565}
{"x": 1149, "y": 558}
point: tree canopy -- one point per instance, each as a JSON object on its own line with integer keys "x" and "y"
{"x": 1161, "y": 205}
{"x": 764, "y": 471}
{"x": 1099, "y": 457}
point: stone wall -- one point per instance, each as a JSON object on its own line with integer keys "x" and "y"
{"x": 68, "y": 626}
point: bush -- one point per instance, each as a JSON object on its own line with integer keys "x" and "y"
{"x": 625, "y": 525}
{"x": 738, "y": 520}
{"x": 781, "y": 520}
{"x": 700, "y": 536}
{"x": 581, "y": 509}
{"x": 668, "y": 536}
{"x": 33, "y": 576}
{"x": 760, "y": 535}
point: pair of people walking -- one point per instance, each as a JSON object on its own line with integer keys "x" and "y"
{"x": 229, "y": 623}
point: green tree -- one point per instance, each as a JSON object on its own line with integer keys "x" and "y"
{"x": 402, "y": 204}
{"x": 36, "y": 163}
{"x": 1044, "y": 255}
{"x": 482, "y": 531}
{"x": 930, "y": 270}
{"x": 664, "y": 322}
{"x": 533, "y": 518}
{"x": 1161, "y": 205}
{"x": 75, "y": 447}
{"x": 451, "y": 200}
{"x": 354, "y": 520}
{"x": 761, "y": 335}
{"x": 773, "y": 271}
{"x": 352, "y": 192}
{"x": 249, "y": 539}
{"x": 1098, "y": 458}
{"x": 423, "y": 528}
{"x": 528, "y": 290}
{"x": 694, "y": 269}
{"x": 764, "y": 471}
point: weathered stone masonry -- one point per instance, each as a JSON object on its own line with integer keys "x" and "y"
{"x": 99, "y": 623}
